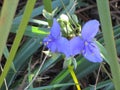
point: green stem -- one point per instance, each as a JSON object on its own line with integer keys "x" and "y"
{"x": 7, "y": 15}
{"x": 48, "y": 8}
{"x": 70, "y": 68}
{"x": 19, "y": 35}
{"x": 105, "y": 18}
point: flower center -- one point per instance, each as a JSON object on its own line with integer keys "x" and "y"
{"x": 49, "y": 40}
{"x": 86, "y": 43}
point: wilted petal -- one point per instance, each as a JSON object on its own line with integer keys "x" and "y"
{"x": 63, "y": 46}
{"x": 91, "y": 52}
{"x": 55, "y": 30}
{"x": 76, "y": 45}
{"x": 90, "y": 29}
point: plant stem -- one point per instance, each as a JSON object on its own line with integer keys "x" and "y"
{"x": 48, "y": 8}
{"x": 6, "y": 18}
{"x": 36, "y": 73}
{"x": 105, "y": 18}
{"x": 19, "y": 35}
{"x": 70, "y": 68}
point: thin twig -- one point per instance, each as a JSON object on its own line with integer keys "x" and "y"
{"x": 114, "y": 15}
{"x": 92, "y": 6}
{"x": 97, "y": 77}
{"x": 105, "y": 70}
{"x": 116, "y": 9}
{"x": 36, "y": 73}
{"x": 84, "y": 9}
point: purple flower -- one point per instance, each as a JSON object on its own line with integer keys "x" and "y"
{"x": 70, "y": 47}
{"x": 89, "y": 49}
{"x": 54, "y": 41}
{"x": 75, "y": 46}
{"x": 85, "y": 44}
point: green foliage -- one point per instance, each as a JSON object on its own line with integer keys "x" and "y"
{"x": 109, "y": 40}
{"x": 35, "y": 35}
{"x": 18, "y": 38}
{"x": 6, "y": 19}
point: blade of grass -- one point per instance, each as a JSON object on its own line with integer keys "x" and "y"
{"x": 52, "y": 86}
{"x": 36, "y": 73}
{"x": 38, "y": 11}
{"x": 104, "y": 12}
{"x": 22, "y": 57}
{"x": 48, "y": 8}
{"x": 33, "y": 31}
{"x": 100, "y": 85}
{"x": 7, "y": 15}
{"x": 6, "y": 54}
{"x": 21, "y": 30}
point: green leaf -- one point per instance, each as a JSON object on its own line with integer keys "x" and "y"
{"x": 103, "y": 52}
{"x": 106, "y": 23}
{"x": 22, "y": 57}
{"x": 37, "y": 30}
{"x": 47, "y": 15}
{"x": 6, "y": 18}
{"x": 74, "y": 17}
{"x": 52, "y": 86}
{"x": 103, "y": 84}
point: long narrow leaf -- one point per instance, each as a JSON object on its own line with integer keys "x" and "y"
{"x": 7, "y": 15}
{"x": 21, "y": 30}
{"x": 105, "y": 18}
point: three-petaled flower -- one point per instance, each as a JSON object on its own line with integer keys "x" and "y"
{"x": 55, "y": 42}
{"x": 89, "y": 48}
{"x": 84, "y": 44}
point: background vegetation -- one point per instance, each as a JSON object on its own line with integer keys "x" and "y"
{"x": 23, "y": 25}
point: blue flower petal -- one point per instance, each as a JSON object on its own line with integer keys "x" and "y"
{"x": 90, "y": 29}
{"x": 63, "y": 46}
{"x": 51, "y": 40}
{"x": 91, "y": 52}
{"x": 46, "y": 40}
{"x": 55, "y": 30}
{"x": 76, "y": 45}
{"x": 52, "y": 46}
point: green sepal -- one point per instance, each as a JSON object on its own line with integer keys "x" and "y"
{"x": 49, "y": 15}
{"x": 67, "y": 62}
{"x": 74, "y": 62}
